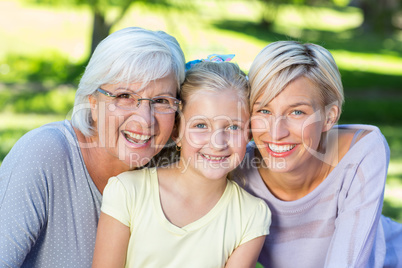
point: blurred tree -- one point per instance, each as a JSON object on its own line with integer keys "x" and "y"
{"x": 103, "y": 17}
{"x": 269, "y": 11}
{"x": 270, "y": 8}
{"x": 378, "y": 15}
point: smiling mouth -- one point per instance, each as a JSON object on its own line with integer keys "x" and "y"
{"x": 281, "y": 148}
{"x": 136, "y": 138}
{"x": 214, "y": 158}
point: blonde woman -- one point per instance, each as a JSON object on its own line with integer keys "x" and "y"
{"x": 324, "y": 183}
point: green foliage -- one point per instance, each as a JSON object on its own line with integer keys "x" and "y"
{"x": 372, "y": 110}
{"x": 49, "y": 68}
{"x": 57, "y": 101}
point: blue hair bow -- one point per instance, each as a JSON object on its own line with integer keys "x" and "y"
{"x": 211, "y": 58}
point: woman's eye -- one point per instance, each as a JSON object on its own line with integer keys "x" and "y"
{"x": 297, "y": 112}
{"x": 124, "y": 96}
{"x": 161, "y": 100}
{"x": 264, "y": 111}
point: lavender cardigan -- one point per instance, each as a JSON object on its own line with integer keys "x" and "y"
{"x": 338, "y": 224}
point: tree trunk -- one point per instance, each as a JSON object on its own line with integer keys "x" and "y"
{"x": 100, "y": 30}
{"x": 377, "y": 16}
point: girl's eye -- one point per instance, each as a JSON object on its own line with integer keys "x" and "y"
{"x": 161, "y": 100}
{"x": 297, "y": 112}
{"x": 233, "y": 127}
{"x": 201, "y": 126}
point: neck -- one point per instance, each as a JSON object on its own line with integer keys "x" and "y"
{"x": 195, "y": 185}
{"x": 290, "y": 186}
{"x": 100, "y": 165}
{"x": 185, "y": 195}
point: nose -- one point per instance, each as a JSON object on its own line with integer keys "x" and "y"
{"x": 145, "y": 113}
{"x": 219, "y": 140}
{"x": 279, "y": 128}
{"x": 139, "y": 101}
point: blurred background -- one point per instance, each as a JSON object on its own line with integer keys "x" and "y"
{"x": 45, "y": 45}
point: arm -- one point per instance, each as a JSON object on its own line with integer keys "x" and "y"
{"x": 23, "y": 200}
{"x": 360, "y": 204}
{"x": 111, "y": 243}
{"x": 246, "y": 255}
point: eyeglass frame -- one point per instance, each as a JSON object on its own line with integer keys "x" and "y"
{"x": 151, "y": 101}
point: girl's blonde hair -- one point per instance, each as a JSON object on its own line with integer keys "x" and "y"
{"x": 280, "y": 63}
{"x": 215, "y": 77}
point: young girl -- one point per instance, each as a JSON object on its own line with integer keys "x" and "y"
{"x": 189, "y": 214}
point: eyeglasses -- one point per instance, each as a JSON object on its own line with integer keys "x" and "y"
{"x": 131, "y": 101}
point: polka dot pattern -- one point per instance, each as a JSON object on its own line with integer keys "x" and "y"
{"x": 49, "y": 205}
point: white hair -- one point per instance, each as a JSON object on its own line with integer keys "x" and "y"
{"x": 130, "y": 55}
{"x": 281, "y": 62}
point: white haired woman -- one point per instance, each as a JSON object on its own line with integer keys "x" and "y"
{"x": 323, "y": 183}
{"x": 52, "y": 180}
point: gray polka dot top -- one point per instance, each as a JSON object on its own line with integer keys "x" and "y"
{"x": 49, "y": 205}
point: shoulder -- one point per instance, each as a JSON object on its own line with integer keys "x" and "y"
{"x": 359, "y": 140}
{"x": 352, "y": 134}
{"x": 246, "y": 200}
{"x": 44, "y": 146}
{"x": 136, "y": 180}
{"x": 48, "y": 138}
{"x": 253, "y": 213}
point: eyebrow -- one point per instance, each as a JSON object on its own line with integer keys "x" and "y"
{"x": 137, "y": 92}
{"x": 292, "y": 105}
{"x": 300, "y": 104}
{"x": 203, "y": 118}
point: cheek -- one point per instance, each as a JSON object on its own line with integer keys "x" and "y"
{"x": 197, "y": 139}
{"x": 109, "y": 124}
{"x": 259, "y": 124}
{"x": 311, "y": 135}
{"x": 240, "y": 146}
{"x": 166, "y": 125}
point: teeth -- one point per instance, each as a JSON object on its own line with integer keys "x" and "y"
{"x": 213, "y": 157}
{"x": 280, "y": 148}
{"x": 138, "y": 138}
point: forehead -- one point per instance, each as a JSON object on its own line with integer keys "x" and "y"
{"x": 216, "y": 105}
{"x": 301, "y": 89}
{"x": 165, "y": 84}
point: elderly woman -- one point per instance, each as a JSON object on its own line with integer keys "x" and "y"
{"x": 323, "y": 183}
{"x": 52, "y": 180}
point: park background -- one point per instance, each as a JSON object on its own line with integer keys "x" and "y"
{"x": 45, "y": 45}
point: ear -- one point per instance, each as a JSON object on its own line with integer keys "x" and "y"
{"x": 93, "y": 104}
{"x": 249, "y": 134}
{"x": 331, "y": 117}
{"x": 177, "y": 133}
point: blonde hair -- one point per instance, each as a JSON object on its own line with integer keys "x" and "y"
{"x": 215, "y": 77}
{"x": 129, "y": 55}
{"x": 281, "y": 62}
